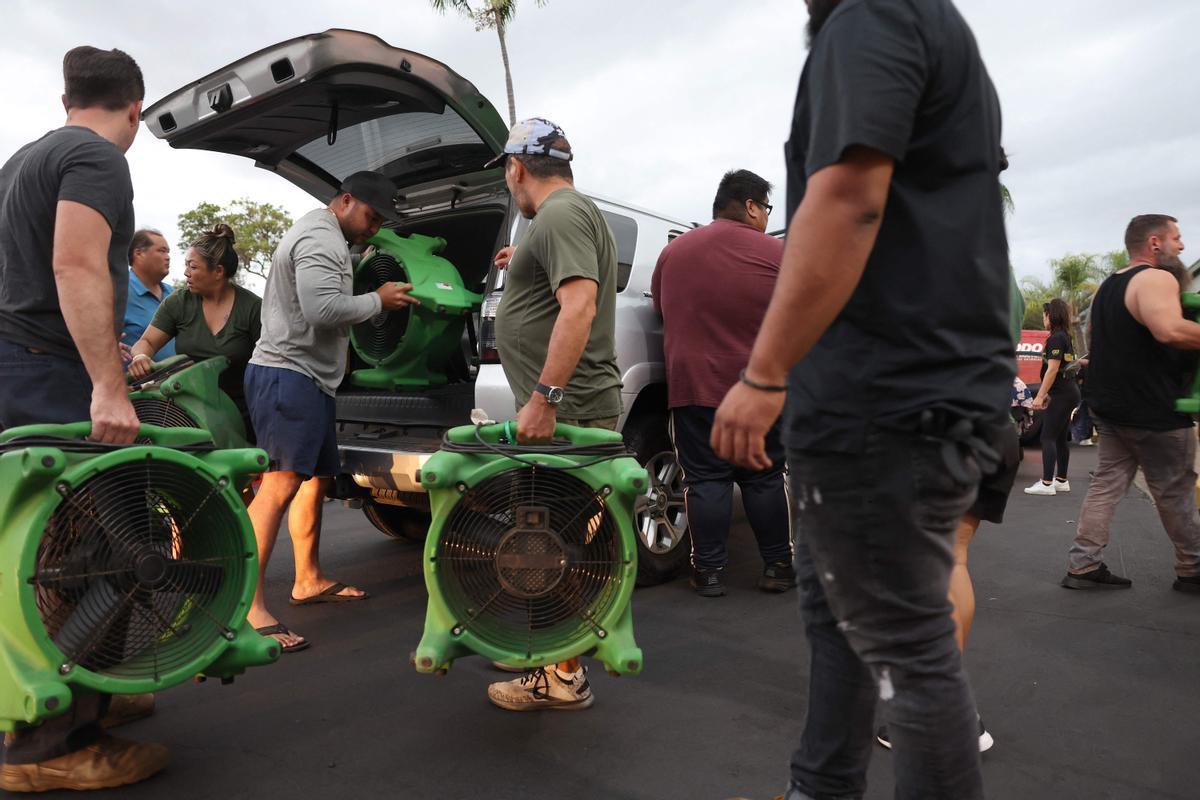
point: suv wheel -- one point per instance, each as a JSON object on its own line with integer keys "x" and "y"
{"x": 660, "y": 523}
{"x": 398, "y": 522}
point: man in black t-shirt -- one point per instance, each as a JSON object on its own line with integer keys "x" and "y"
{"x": 891, "y": 313}
{"x": 1135, "y": 375}
{"x": 66, "y": 220}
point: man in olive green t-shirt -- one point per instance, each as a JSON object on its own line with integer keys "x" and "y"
{"x": 556, "y": 332}
{"x": 555, "y": 327}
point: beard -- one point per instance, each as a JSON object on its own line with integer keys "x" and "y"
{"x": 818, "y": 12}
{"x": 1175, "y": 266}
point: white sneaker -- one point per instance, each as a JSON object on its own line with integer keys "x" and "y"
{"x": 1040, "y": 488}
{"x": 543, "y": 688}
{"x": 1061, "y": 486}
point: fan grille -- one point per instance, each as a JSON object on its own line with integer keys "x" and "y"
{"x": 529, "y": 560}
{"x": 378, "y": 337}
{"x": 140, "y": 568}
{"x": 163, "y": 413}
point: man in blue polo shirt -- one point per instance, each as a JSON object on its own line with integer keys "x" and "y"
{"x": 149, "y": 263}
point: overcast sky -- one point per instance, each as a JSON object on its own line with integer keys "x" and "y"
{"x": 659, "y": 99}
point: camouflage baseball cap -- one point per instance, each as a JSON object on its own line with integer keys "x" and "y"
{"x": 533, "y": 137}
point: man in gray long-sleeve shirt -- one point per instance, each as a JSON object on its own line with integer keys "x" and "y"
{"x": 307, "y": 311}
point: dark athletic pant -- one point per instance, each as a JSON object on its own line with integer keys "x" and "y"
{"x": 709, "y": 491}
{"x": 1056, "y": 431}
{"x": 874, "y": 551}
{"x": 52, "y": 390}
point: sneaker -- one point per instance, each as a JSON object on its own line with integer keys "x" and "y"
{"x": 985, "y": 739}
{"x": 1188, "y": 584}
{"x": 777, "y": 577}
{"x": 1061, "y": 486}
{"x": 126, "y": 708}
{"x": 1087, "y": 443}
{"x": 707, "y": 582}
{"x": 1099, "y": 578}
{"x": 106, "y": 763}
{"x": 544, "y": 688}
{"x": 1040, "y": 488}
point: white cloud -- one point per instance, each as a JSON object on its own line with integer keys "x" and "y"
{"x": 660, "y": 98}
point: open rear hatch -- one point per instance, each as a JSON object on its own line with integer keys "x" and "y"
{"x": 319, "y": 107}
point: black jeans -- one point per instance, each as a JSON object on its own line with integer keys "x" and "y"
{"x": 709, "y": 491}
{"x": 874, "y": 551}
{"x": 41, "y": 388}
{"x": 1056, "y": 431}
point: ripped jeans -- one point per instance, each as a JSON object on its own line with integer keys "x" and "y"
{"x": 873, "y": 557}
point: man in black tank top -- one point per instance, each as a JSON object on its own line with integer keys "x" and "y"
{"x": 1135, "y": 375}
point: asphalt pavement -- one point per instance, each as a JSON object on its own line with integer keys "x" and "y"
{"x": 1088, "y": 694}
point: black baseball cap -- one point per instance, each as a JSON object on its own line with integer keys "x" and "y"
{"x": 373, "y": 189}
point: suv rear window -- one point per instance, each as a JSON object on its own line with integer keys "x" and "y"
{"x": 625, "y": 231}
{"x": 408, "y": 148}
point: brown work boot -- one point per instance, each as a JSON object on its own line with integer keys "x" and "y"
{"x": 126, "y": 708}
{"x": 107, "y": 763}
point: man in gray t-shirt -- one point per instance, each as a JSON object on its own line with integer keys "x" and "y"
{"x": 66, "y": 219}
{"x": 307, "y": 311}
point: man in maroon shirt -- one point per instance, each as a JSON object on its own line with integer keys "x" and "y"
{"x": 712, "y": 286}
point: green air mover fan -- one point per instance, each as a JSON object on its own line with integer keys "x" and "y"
{"x": 1191, "y": 403}
{"x": 183, "y": 393}
{"x": 124, "y": 569}
{"x": 531, "y": 557}
{"x": 411, "y": 346}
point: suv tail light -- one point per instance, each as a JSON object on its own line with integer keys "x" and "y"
{"x": 488, "y": 354}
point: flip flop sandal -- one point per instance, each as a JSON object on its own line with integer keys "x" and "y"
{"x": 279, "y": 629}
{"x": 330, "y": 595}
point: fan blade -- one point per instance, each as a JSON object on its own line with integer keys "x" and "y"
{"x": 191, "y": 577}
{"x": 90, "y": 620}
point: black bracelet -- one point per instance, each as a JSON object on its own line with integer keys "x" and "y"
{"x": 762, "y": 387}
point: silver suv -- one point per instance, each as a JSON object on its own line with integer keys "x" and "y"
{"x": 317, "y": 108}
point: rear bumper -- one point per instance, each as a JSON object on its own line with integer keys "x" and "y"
{"x": 383, "y": 468}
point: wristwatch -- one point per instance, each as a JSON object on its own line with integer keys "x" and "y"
{"x": 554, "y": 394}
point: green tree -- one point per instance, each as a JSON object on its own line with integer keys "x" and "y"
{"x": 257, "y": 226}
{"x": 1007, "y": 199}
{"x": 490, "y": 15}
{"x": 1115, "y": 260}
{"x": 1076, "y": 276}
{"x": 1036, "y": 293}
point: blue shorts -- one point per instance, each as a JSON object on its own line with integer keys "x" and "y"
{"x": 294, "y": 421}
{"x": 41, "y": 388}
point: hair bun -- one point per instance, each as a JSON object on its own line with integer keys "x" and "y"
{"x": 223, "y": 231}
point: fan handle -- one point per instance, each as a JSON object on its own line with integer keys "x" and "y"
{"x": 508, "y": 430}
{"x": 163, "y": 437}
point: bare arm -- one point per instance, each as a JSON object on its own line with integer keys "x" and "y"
{"x": 829, "y": 239}
{"x": 1153, "y": 300}
{"x": 85, "y": 295}
{"x": 143, "y": 351}
{"x": 1052, "y": 367}
{"x": 577, "y": 308}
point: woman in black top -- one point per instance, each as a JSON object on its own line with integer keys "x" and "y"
{"x": 1056, "y": 398}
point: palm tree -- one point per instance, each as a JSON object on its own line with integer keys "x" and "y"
{"x": 494, "y": 15}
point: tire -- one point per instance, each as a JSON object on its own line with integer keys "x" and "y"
{"x": 660, "y": 524}
{"x": 398, "y": 522}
